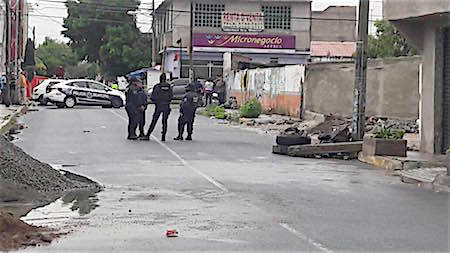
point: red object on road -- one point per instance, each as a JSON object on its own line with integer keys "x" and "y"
{"x": 172, "y": 233}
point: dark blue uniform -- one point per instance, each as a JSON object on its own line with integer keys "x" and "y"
{"x": 162, "y": 96}
{"x": 142, "y": 106}
{"x": 188, "y": 108}
{"x": 131, "y": 106}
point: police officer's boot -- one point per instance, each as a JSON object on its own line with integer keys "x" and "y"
{"x": 178, "y": 138}
{"x": 189, "y": 138}
{"x": 163, "y": 138}
{"x": 145, "y": 137}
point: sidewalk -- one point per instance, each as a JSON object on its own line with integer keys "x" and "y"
{"x": 426, "y": 170}
{"x": 8, "y": 116}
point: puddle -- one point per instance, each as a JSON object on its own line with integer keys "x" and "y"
{"x": 74, "y": 204}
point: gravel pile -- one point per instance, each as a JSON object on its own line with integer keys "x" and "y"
{"x": 26, "y": 173}
{"x": 375, "y": 124}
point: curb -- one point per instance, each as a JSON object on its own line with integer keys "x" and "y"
{"x": 381, "y": 162}
{"x": 393, "y": 164}
{"x": 9, "y": 123}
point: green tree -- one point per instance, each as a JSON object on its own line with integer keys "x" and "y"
{"x": 105, "y": 32}
{"x": 388, "y": 42}
{"x": 125, "y": 50}
{"x": 53, "y": 54}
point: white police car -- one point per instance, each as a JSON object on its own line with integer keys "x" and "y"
{"x": 84, "y": 92}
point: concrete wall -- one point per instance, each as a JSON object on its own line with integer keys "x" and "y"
{"x": 299, "y": 27}
{"x": 278, "y": 89}
{"x": 392, "y": 88}
{"x": 402, "y": 9}
{"x": 333, "y": 30}
{"x": 421, "y": 22}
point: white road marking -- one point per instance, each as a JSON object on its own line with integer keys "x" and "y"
{"x": 184, "y": 162}
{"x": 304, "y": 237}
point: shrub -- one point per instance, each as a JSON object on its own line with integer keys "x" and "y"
{"x": 387, "y": 133}
{"x": 219, "y": 113}
{"x": 211, "y": 110}
{"x": 251, "y": 109}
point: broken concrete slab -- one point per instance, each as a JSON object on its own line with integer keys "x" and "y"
{"x": 326, "y": 148}
{"x": 280, "y": 149}
{"x": 384, "y": 147}
{"x": 432, "y": 178}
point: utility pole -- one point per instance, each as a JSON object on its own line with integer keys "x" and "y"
{"x": 359, "y": 92}
{"x": 7, "y": 101}
{"x": 153, "y": 34}
{"x": 180, "y": 42}
{"x": 191, "y": 47}
{"x": 17, "y": 20}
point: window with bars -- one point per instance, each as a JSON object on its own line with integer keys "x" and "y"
{"x": 208, "y": 15}
{"x": 277, "y": 17}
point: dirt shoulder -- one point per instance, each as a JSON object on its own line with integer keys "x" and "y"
{"x": 26, "y": 183}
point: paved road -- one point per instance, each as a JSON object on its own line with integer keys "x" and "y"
{"x": 224, "y": 191}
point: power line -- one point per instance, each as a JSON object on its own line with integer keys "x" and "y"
{"x": 117, "y": 7}
{"x": 163, "y": 12}
{"x": 90, "y": 19}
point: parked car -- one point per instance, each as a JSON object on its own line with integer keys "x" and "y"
{"x": 179, "y": 88}
{"x": 84, "y": 92}
{"x": 40, "y": 90}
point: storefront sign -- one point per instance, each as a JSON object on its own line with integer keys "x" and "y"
{"x": 244, "y": 41}
{"x": 242, "y": 22}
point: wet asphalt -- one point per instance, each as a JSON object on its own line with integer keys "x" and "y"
{"x": 224, "y": 191}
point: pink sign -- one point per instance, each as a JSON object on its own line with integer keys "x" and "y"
{"x": 261, "y": 41}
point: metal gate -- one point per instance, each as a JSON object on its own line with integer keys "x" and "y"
{"x": 446, "y": 92}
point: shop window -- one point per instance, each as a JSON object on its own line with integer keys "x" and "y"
{"x": 208, "y": 15}
{"x": 277, "y": 17}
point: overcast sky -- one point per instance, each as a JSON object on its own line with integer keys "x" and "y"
{"x": 47, "y": 16}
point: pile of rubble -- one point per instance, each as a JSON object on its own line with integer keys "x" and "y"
{"x": 374, "y": 124}
{"x": 25, "y": 183}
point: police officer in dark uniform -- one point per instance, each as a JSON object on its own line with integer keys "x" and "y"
{"x": 187, "y": 112}
{"x": 141, "y": 107}
{"x": 162, "y": 96}
{"x": 131, "y": 106}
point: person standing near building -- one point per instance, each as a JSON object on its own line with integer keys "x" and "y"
{"x": 23, "y": 87}
{"x": 220, "y": 89}
{"x": 115, "y": 85}
{"x": 209, "y": 89}
{"x": 3, "y": 89}
{"x": 162, "y": 96}
{"x": 131, "y": 106}
{"x": 187, "y": 113}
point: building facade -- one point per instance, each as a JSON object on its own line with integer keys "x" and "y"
{"x": 264, "y": 32}
{"x": 335, "y": 23}
{"x": 426, "y": 25}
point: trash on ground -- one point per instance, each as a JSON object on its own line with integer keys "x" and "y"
{"x": 172, "y": 233}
